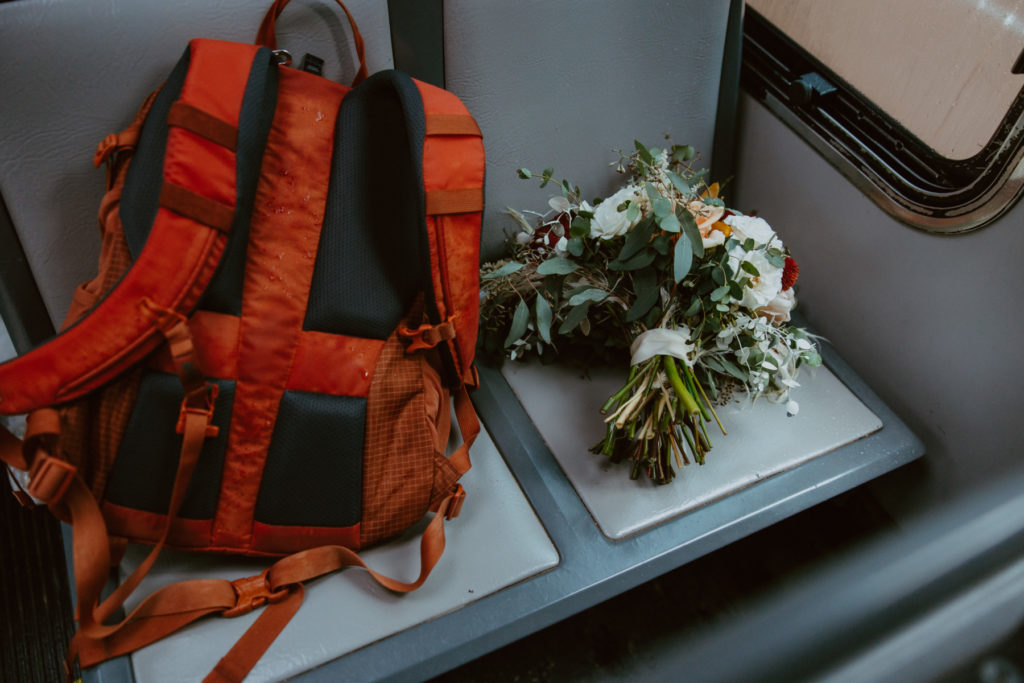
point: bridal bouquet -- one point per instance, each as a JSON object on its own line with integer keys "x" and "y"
{"x": 696, "y": 297}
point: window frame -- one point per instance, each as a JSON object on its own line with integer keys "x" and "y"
{"x": 901, "y": 174}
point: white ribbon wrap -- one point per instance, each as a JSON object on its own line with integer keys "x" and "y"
{"x": 662, "y": 342}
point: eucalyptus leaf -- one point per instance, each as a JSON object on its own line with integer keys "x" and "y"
{"x": 507, "y": 269}
{"x": 661, "y": 244}
{"x": 691, "y": 230}
{"x": 592, "y": 294}
{"x": 682, "y": 258}
{"x": 681, "y": 153}
{"x": 543, "y": 311}
{"x": 519, "y": 320}
{"x": 669, "y": 223}
{"x": 575, "y": 246}
{"x": 712, "y": 363}
{"x": 652, "y": 192}
{"x": 646, "y": 284}
{"x": 645, "y": 154}
{"x": 661, "y": 207}
{"x": 735, "y": 289}
{"x": 679, "y": 182}
{"x": 575, "y": 317}
{"x": 694, "y": 307}
{"x": 525, "y": 173}
{"x": 580, "y": 227}
{"x": 633, "y": 212}
{"x": 720, "y": 293}
{"x": 557, "y": 266}
{"x": 750, "y": 268}
{"x": 642, "y": 260}
{"x": 637, "y": 239}
{"x": 733, "y": 370}
{"x": 776, "y": 258}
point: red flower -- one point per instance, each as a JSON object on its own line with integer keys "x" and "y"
{"x": 546, "y": 236}
{"x": 790, "y": 273}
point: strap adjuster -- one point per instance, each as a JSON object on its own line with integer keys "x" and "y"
{"x": 252, "y": 592}
{"x": 50, "y": 478}
{"x": 427, "y": 336}
{"x": 200, "y": 402}
{"x": 458, "y": 497}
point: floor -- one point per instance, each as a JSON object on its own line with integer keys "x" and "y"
{"x": 607, "y": 642}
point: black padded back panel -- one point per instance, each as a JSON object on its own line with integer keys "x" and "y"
{"x": 314, "y": 470}
{"x": 143, "y": 474}
{"x": 373, "y": 255}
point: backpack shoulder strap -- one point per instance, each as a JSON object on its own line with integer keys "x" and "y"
{"x": 453, "y": 182}
{"x": 177, "y": 216}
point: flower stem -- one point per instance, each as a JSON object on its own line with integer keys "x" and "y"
{"x": 677, "y": 383}
{"x": 618, "y": 396}
{"x": 710, "y": 407}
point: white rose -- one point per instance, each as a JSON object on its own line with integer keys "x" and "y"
{"x": 752, "y": 226}
{"x": 759, "y": 290}
{"x": 608, "y": 221}
{"x": 778, "y": 308}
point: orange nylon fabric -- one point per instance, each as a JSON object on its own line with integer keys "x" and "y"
{"x": 286, "y": 223}
{"x": 115, "y": 335}
{"x": 454, "y": 162}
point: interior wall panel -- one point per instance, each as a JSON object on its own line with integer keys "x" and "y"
{"x": 563, "y": 84}
{"x": 932, "y": 323}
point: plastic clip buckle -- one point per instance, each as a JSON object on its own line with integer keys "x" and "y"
{"x": 426, "y": 336}
{"x": 252, "y": 592}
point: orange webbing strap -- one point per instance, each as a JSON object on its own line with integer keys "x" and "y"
{"x": 41, "y": 430}
{"x": 279, "y": 588}
{"x": 267, "y": 35}
{"x": 90, "y": 544}
{"x": 469, "y": 425}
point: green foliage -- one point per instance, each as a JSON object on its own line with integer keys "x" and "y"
{"x": 587, "y": 297}
{"x": 557, "y": 266}
{"x": 543, "y": 312}
{"x": 505, "y": 270}
{"x": 519, "y": 321}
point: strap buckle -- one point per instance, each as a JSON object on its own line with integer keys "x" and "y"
{"x": 199, "y": 402}
{"x": 252, "y": 592}
{"x": 50, "y": 478}
{"x": 427, "y": 336}
{"x": 458, "y": 497}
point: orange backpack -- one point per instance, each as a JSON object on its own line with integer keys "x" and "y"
{"x": 286, "y": 304}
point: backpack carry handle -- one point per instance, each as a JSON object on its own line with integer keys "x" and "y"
{"x": 267, "y": 34}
